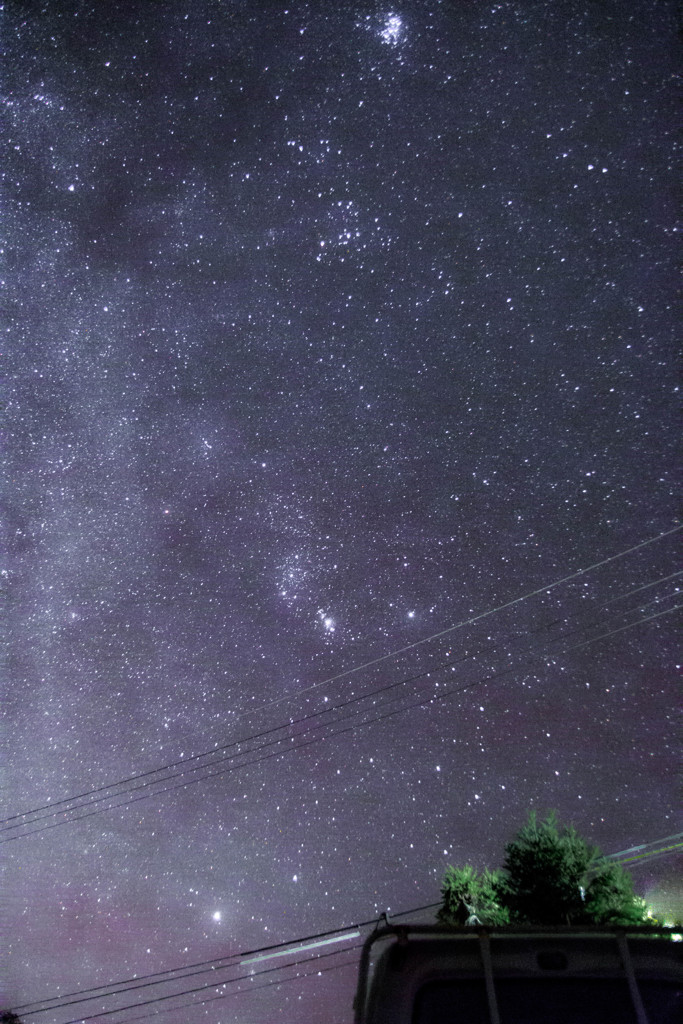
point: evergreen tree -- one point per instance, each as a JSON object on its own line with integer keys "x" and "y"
{"x": 9, "y": 1017}
{"x": 544, "y": 873}
{"x": 610, "y": 899}
{"x": 550, "y": 876}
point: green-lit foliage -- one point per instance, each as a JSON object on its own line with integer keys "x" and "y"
{"x": 471, "y": 898}
{"x": 610, "y": 898}
{"x": 550, "y": 876}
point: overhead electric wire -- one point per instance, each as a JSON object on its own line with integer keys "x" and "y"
{"x": 662, "y": 579}
{"x": 451, "y": 662}
{"x": 204, "y": 988}
{"x": 356, "y": 699}
{"x": 225, "y": 995}
{"x": 277, "y": 753}
{"x": 252, "y": 988}
{"x": 645, "y": 858}
{"x": 158, "y": 792}
{"x": 421, "y": 702}
{"x": 587, "y": 618}
{"x": 603, "y": 636}
{"x": 644, "y": 846}
{"x": 238, "y": 959}
{"x": 642, "y": 853}
{"x": 274, "y": 742}
{"x": 188, "y": 971}
{"x": 247, "y": 739}
{"x": 471, "y": 621}
{"x": 290, "y": 947}
{"x": 660, "y": 600}
{"x": 184, "y": 992}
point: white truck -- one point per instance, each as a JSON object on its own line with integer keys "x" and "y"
{"x": 425, "y": 974}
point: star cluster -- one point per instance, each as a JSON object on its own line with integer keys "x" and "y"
{"x": 329, "y": 327}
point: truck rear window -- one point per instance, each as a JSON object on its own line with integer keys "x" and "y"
{"x": 539, "y": 1000}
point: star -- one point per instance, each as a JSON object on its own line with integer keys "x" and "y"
{"x": 340, "y": 433}
{"x": 392, "y": 30}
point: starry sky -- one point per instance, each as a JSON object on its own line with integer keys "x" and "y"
{"x": 330, "y": 327}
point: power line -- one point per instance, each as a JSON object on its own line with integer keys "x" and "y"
{"x": 247, "y": 739}
{"x": 174, "y": 995}
{"x": 274, "y": 742}
{"x": 645, "y": 858}
{"x": 276, "y": 949}
{"x": 641, "y": 854}
{"x": 421, "y": 702}
{"x": 470, "y": 621}
{"x": 644, "y": 846}
{"x": 289, "y": 947}
{"x": 203, "y": 988}
{"x": 252, "y": 988}
{"x": 662, "y": 579}
{"x": 603, "y": 636}
{"x": 189, "y": 971}
{"x": 586, "y": 619}
{"x": 237, "y": 959}
{"x": 335, "y": 707}
{"x": 342, "y": 675}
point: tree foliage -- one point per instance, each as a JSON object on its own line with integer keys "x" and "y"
{"x": 545, "y": 872}
{"x": 610, "y": 898}
{"x": 550, "y": 876}
{"x": 470, "y": 898}
{"x": 9, "y": 1017}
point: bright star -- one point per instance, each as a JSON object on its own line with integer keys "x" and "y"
{"x": 392, "y": 30}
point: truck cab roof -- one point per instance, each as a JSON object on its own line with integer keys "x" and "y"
{"x": 426, "y": 974}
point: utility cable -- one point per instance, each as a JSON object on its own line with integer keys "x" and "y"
{"x": 642, "y": 855}
{"x": 58, "y": 1001}
{"x": 603, "y": 636}
{"x": 662, "y": 579}
{"x": 335, "y": 707}
{"x": 265, "y": 952}
{"x": 452, "y": 662}
{"x": 238, "y": 959}
{"x": 358, "y": 668}
{"x": 586, "y": 619}
{"x": 353, "y": 929}
{"x": 643, "y": 846}
{"x": 470, "y": 621}
{"x": 245, "y": 740}
{"x": 203, "y": 988}
{"x": 273, "y": 742}
{"x": 184, "y": 992}
{"x": 421, "y": 702}
{"x": 224, "y": 995}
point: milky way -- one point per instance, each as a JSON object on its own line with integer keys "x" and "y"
{"x": 330, "y": 327}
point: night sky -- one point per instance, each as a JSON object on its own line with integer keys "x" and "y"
{"x": 330, "y": 327}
